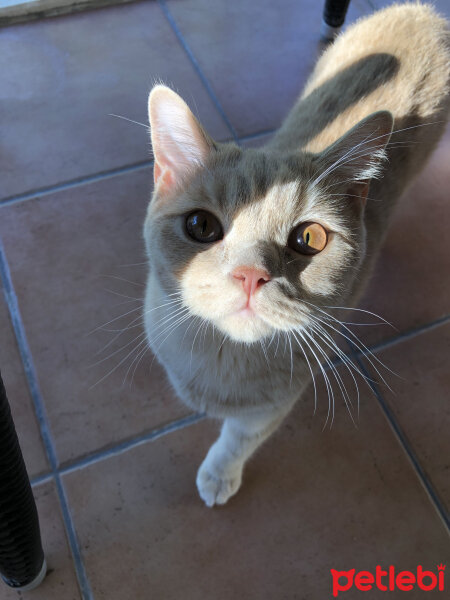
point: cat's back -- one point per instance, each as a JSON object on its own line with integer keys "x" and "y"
{"x": 398, "y": 59}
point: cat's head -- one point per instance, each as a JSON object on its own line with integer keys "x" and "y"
{"x": 255, "y": 238}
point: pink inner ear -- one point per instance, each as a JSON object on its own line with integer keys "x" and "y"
{"x": 157, "y": 171}
{"x": 361, "y": 190}
{"x": 163, "y": 178}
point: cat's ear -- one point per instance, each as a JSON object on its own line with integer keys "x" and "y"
{"x": 357, "y": 157}
{"x": 180, "y": 145}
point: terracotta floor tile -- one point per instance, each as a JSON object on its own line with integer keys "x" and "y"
{"x": 311, "y": 501}
{"x": 18, "y": 396}
{"x": 410, "y": 286}
{"x": 60, "y": 79}
{"x": 421, "y": 402}
{"x": 256, "y": 56}
{"x": 66, "y": 250}
{"x": 60, "y": 582}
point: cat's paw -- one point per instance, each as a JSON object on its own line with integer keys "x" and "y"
{"x": 217, "y": 488}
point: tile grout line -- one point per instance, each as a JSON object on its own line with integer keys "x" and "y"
{"x": 102, "y": 175}
{"x": 407, "y": 335}
{"x": 407, "y": 447}
{"x": 30, "y": 373}
{"x": 73, "y": 183}
{"x": 122, "y": 447}
{"x": 39, "y": 479}
{"x": 195, "y": 64}
{"x": 256, "y": 135}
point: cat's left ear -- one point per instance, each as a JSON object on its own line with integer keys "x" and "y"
{"x": 180, "y": 145}
{"x": 357, "y": 156}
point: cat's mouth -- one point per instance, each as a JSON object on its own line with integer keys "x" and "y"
{"x": 247, "y": 311}
{"x": 241, "y": 318}
{"x": 245, "y": 325}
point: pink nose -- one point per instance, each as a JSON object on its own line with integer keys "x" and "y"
{"x": 251, "y": 278}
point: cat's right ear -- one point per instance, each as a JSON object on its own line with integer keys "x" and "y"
{"x": 180, "y": 145}
{"x": 358, "y": 156}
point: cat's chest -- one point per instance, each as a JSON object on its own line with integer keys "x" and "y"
{"x": 220, "y": 376}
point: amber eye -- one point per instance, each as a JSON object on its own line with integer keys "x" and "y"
{"x": 203, "y": 227}
{"x": 308, "y": 238}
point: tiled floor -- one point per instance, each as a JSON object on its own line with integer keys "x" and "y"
{"x": 119, "y": 511}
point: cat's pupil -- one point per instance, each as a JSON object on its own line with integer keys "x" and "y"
{"x": 307, "y": 238}
{"x": 203, "y": 226}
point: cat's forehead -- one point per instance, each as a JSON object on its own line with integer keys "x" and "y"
{"x": 239, "y": 179}
{"x": 272, "y": 214}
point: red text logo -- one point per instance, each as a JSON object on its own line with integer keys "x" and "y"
{"x": 388, "y": 580}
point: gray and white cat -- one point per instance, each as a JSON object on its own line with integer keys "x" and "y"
{"x": 251, "y": 251}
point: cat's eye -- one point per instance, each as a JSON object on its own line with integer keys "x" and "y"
{"x": 204, "y": 227}
{"x": 308, "y": 238}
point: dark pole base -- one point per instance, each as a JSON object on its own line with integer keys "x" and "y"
{"x": 33, "y": 584}
{"x": 22, "y": 564}
{"x": 334, "y": 14}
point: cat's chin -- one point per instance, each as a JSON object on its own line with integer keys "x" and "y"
{"x": 244, "y": 326}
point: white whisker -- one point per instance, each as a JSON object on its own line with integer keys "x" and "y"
{"x": 129, "y": 120}
{"x": 195, "y": 337}
{"x": 326, "y": 380}
{"x": 358, "y": 343}
{"x": 292, "y": 360}
{"x": 115, "y": 319}
{"x": 143, "y": 353}
{"x": 123, "y": 295}
{"x": 336, "y": 375}
{"x": 138, "y": 351}
{"x": 124, "y": 280}
{"x": 328, "y": 340}
{"x": 310, "y": 370}
{"x": 120, "y": 363}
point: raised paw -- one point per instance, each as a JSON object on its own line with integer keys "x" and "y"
{"x": 217, "y": 488}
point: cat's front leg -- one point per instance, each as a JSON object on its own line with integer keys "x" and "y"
{"x": 220, "y": 474}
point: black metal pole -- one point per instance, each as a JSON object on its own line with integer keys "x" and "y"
{"x": 22, "y": 563}
{"x": 334, "y": 14}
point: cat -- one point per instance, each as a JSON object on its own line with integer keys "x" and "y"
{"x": 251, "y": 251}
